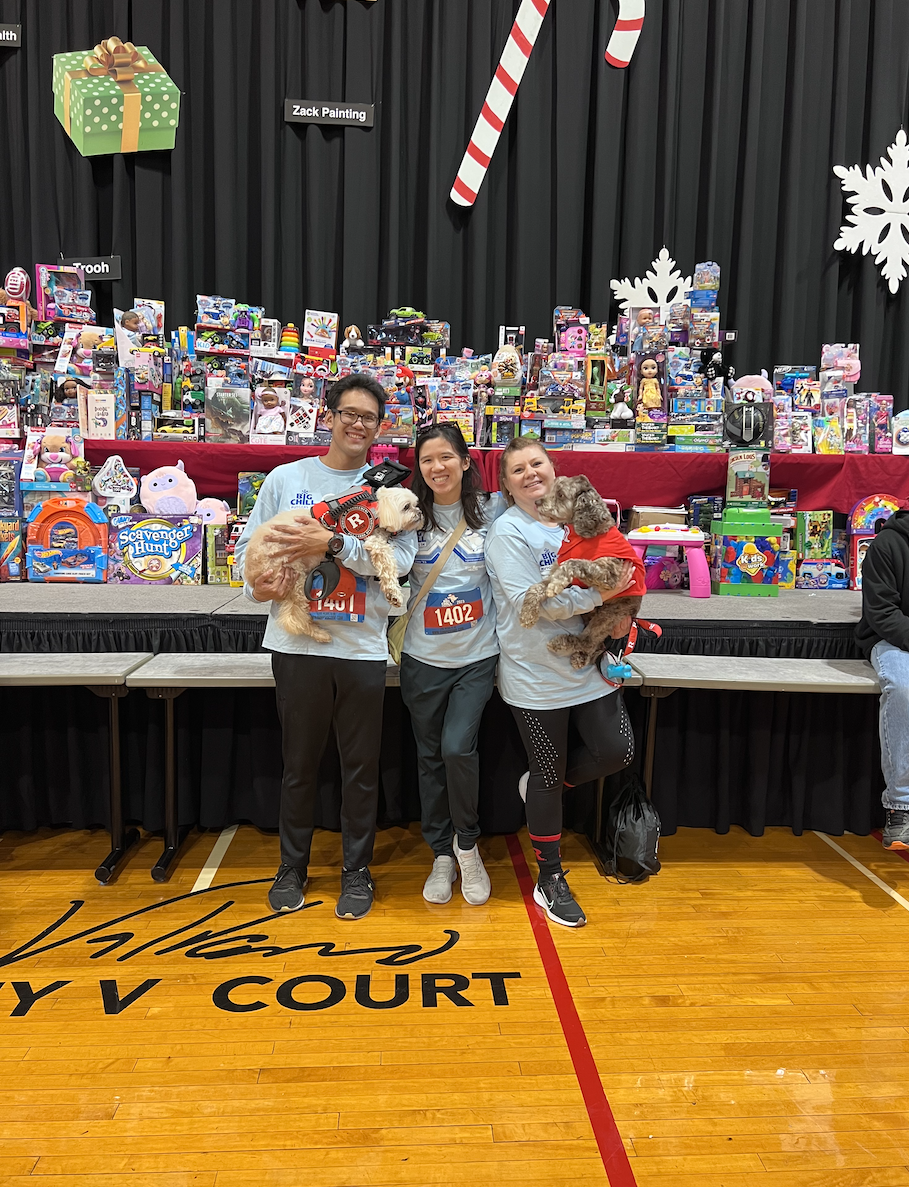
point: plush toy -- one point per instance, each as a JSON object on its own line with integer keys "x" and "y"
{"x": 752, "y": 389}
{"x": 55, "y": 461}
{"x": 168, "y": 491}
{"x": 213, "y": 510}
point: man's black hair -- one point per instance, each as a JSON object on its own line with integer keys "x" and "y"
{"x": 356, "y": 381}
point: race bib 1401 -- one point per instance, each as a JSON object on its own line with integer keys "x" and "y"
{"x": 445, "y": 613}
{"x": 346, "y": 603}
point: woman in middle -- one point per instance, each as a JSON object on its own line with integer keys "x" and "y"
{"x": 449, "y": 657}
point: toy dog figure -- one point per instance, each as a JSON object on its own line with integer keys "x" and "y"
{"x": 389, "y": 510}
{"x": 592, "y": 555}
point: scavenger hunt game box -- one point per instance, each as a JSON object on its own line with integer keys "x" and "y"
{"x": 161, "y": 549}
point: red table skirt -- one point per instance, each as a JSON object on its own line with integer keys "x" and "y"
{"x": 660, "y": 479}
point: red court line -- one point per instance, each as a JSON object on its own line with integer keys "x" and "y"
{"x": 609, "y": 1140}
{"x": 879, "y": 836}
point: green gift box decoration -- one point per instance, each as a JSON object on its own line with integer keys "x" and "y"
{"x": 117, "y": 98}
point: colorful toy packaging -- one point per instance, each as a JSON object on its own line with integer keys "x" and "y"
{"x": 11, "y": 550}
{"x": 748, "y": 477}
{"x": 249, "y": 483}
{"x": 813, "y": 535}
{"x": 745, "y": 553}
{"x": 866, "y": 519}
{"x": 217, "y": 538}
{"x": 161, "y": 549}
{"x": 66, "y": 540}
{"x": 821, "y": 575}
{"x": 881, "y": 429}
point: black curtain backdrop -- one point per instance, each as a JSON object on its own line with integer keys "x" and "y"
{"x": 719, "y": 141}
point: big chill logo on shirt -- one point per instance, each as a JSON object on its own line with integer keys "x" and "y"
{"x": 302, "y": 499}
{"x": 547, "y": 559}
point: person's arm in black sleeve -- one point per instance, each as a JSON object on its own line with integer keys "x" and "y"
{"x": 882, "y": 597}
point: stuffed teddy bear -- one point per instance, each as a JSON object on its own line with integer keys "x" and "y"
{"x": 56, "y": 457}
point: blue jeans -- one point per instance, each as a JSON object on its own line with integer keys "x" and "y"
{"x": 892, "y": 667}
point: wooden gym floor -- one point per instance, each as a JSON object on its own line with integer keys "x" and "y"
{"x": 747, "y": 1013}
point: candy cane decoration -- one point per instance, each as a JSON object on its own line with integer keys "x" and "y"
{"x": 507, "y": 79}
{"x": 626, "y": 33}
{"x": 499, "y": 98}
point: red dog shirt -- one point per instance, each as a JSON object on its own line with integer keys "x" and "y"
{"x": 594, "y": 548}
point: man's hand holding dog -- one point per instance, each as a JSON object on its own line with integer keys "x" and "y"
{"x": 304, "y": 538}
{"x": 275, "y": 586}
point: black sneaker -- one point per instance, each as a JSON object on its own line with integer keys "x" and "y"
{"x": 357, "y": 892}
{"x": 552, "y": 894}
{"x": 896, "y": 830}
{"x": 287, "y": 889}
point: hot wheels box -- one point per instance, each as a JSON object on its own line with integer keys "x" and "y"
{"x": 161, "y": 549}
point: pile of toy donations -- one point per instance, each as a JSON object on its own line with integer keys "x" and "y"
{"x": 655, "y": 381}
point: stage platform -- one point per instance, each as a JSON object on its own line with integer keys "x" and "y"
{"x": 33, "y": 617}
{"x": 723, "y": 758}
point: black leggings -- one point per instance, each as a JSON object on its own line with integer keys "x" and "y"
{"x": 574, "y": 745}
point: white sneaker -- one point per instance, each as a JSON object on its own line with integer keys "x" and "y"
{"x": 475, "y": 885}
{"x": 522, "y": 785}
{"x": 437, "y": 887}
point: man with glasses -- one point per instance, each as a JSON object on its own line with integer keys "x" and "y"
{"x": 338, "y": 685}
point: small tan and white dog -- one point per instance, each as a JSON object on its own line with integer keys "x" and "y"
{"x": 398, "y": 511}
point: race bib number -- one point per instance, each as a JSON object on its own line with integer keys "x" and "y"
{"x": 444, "y": 614}
{"x": 346, "y": 603}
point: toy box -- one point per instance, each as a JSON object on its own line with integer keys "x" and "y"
{"x": 125, "y": 80}
{"x": 161, "y": 549}
{"x": 236, "y": 531}
{"x": 821, "y": 575}
{"x": 801, "y": 438}
{"x": 745, "y": 554}
{"x": 10, "y": 492}
{"x": 249, "y": 483}
{"x": 828, "y": 434}
{"x": 66, "y": 540}
{"x": 786, "y": 567}
{"x": 217, "y": 537}
{"x": 813, "y": 535}
{"x": 900, "y": 427}
{"x": 60, "y": 295}
{"x": 747, "y": 477}
{"x": 10, "y": 550}
{"x": 881, "y": 433}
{"x": 866, "y": 519}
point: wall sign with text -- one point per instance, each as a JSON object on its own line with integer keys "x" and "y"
{"x": 10, "y": 36}
{"x": 97, "y": 267}
{"x": 329, "y": 111}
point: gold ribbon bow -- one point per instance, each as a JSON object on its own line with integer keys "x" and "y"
{"x": 121, "y": 61}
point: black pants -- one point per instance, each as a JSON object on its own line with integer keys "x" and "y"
{"x": 445, "y": 706}
{"x": 316, "y": 693}
{"x": 572, "y": 745}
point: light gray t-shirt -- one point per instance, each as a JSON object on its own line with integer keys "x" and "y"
{"x": 357, "y": 621}
{"x": 520, "y": 551}
{"x": 455, "y": 624}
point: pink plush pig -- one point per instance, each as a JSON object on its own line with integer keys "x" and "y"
{"x": 168, "y": 491}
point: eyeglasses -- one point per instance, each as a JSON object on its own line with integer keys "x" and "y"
{"x": 369, "y": 420}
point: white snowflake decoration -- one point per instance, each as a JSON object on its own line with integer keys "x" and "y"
{"x": 661, "y": 285}
{"x": 879, "y": 221}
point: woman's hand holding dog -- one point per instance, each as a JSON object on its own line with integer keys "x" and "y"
{"x": 624, "y": 583}
{"x": 304, "y": 538}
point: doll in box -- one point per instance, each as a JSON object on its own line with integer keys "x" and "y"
{"x": 649, "y": 389}
{"x": 270, "y": 412}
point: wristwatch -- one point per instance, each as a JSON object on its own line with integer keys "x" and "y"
{"x": 335, "y": 544}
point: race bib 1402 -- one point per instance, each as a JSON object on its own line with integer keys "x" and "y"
{"x": 445, "y": 613}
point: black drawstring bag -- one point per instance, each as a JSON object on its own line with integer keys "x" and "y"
{"x": 632, "y": 835}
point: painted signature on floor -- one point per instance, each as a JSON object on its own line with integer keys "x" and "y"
{"x": 207, "y": 944}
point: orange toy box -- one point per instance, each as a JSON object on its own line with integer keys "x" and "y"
{"x": 66, "y": 540}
